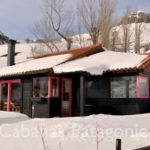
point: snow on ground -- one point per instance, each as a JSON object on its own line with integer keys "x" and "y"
{"x": 77, "y": 133}
{"x": 11, "y": 117}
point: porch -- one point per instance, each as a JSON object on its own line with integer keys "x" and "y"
{"x": 77, "y": 94}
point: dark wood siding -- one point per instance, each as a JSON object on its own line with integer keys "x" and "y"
{"x": 120, "y": 106}
{"x": 54, "y": 107}
{"x": 46, "y": 107}
{"x": 27, "y": 94}
{"x": 40, "y": 108}
{"x": 99, "y": 88}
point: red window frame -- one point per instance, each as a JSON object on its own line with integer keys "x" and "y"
{"x": 138, "y": 87}
{"x": 50, "y": 86}
{"x": 9, "y": 82}
{"x": 70, "y": 97}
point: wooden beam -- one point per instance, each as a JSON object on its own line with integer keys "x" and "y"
{"x": 82, "y": 95}
{"x": 118, "y": 144}
{"x": 9, "y": 96}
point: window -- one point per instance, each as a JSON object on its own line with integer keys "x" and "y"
{"x": 123, "y": 87}
{"x": 66, "y": 98}
{"x": 4, "y": 96}
{"x": 15, "y": 97}
{"x": 53, "y": 87}
{"x": 97, "y": 88}
{"x": 16, "y": 92}
{"x": 4, "y": 91}
{"x": 40, "y": 87}
{"x": 10, "y": 97}
{"x": 142, "y": 87}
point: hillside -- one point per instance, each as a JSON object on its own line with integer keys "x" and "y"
{"x": 25, "y": 50}
{"x": 144, "y": 36}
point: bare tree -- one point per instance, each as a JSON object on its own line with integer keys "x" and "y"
{"x": 125, "y": 25}
{"x": 114, "y": 40}
{"x": 3, "y": 38}
{"x": 137, "y": 42}
{"x": 107, "y": 8}
{"x": 42, "y": 30}
{"x": 88, "y": 15}
{"x": 55, "y": 23}
{"x": 137, "y": 45}
{"x": 97, "y": 18}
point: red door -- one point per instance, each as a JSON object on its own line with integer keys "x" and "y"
{"x": 66, "y": 98}
{"x": 10, "y": 96}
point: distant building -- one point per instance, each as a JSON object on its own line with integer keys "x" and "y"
{"x": 139, "y": 16}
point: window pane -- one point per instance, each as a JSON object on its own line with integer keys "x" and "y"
{"x": 66, "y": 89}
{"x": 36, "y": 87}
{"x": 123, "y": 87}
{"x": 54, "y": 88}
{"x": 118, "y": 88}
{"x": 66, "y": 97}
{"x": 132, "y": 87}
{"x": 16, "y": 97}
{"x": 40, "y": 87}
{"x": 143, "y": 87}
{"x": 43, "y": 82}
{"x": 97, "y": 88}
{"x": 3, "y": 100}
{"x": 4, "y": 88}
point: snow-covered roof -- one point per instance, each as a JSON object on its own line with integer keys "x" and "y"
{"x": 104, "y": 61}
{"x": 33, "y": 65}
{"x": 44, "y": 63}
{"x": 94, "y": 63}
{"x": 26, "y": 50}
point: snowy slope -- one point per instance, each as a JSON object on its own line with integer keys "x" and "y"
{"x": 26, "y": 50}
{"x": 77, "y": 133}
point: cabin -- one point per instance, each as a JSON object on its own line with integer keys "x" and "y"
{"x": 77, "y": 82}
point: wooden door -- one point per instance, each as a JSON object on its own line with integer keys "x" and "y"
{"x": 66, "y": 98}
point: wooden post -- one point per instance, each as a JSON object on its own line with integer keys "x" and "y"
{"x": 22, "y": 89}
{"x": 82, "y": 95}
{"x": 9, "y": 96}
{"x": 118, "y": 144}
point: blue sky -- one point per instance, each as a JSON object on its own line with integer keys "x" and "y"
{"x": 18, "y": 15}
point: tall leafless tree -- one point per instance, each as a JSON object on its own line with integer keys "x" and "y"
{"x": 114, "y": 38}
{"x": 97, "y": 18}
{"x": 127, "y": 33}
{"x": 55, "y": 23}
{"x": 137, "y": 42}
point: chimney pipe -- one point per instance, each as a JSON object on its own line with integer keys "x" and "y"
{"x": 11, "y": 53}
